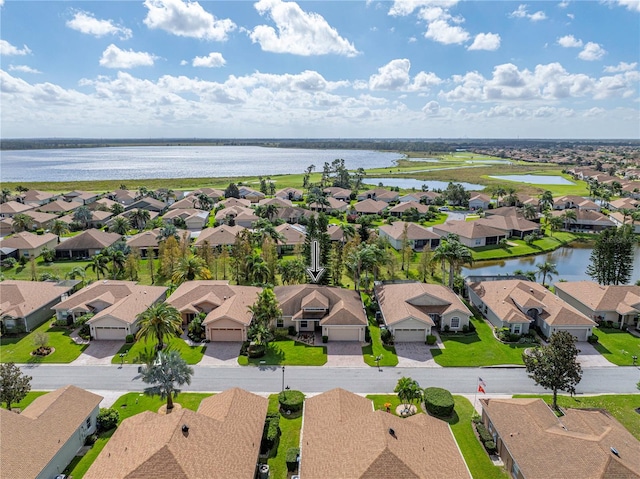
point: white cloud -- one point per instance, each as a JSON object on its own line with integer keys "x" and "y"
{"x": 424, "y": 81}
{"x": 1, "y": 3}
{"x": 392, "y": 76}
{"x": 412, "y": 39}
{"x": 87, "y": 23}
{"x": 213, "y": 60}
{"x": 184, "y": 62}
{"x": 298, "y": 32}
{"x": 402, "y": 8}
{"x": 569, "y": 41}
{"x": 431, "y": 108}
{"x": 563, "y": 4}
{"x": 522, "y": 12}
{"x": 621, "y": 67}
{"x": 571, "y": 16}
{"x": 7, "y": 49}
{"x": 186, "y": 20}
{"x": 592, "y": 51}
{"x": 486, "y": 41}
{"x": 443, "y": 32}
{"x": 114, "y": 57}
{"x": 23, "y": 69}
{"x": 633, "y": 5}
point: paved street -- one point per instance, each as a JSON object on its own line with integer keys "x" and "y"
{"x": 319, "y": 379}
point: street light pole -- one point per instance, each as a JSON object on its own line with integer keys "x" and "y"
{"x": 282, "y": 378}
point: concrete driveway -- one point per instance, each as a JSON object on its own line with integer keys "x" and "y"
{"x": 589, "y": 357}
{"x": 344, "y": 354}
{"x": 415, "y": 355}
{"x": 221, "y": 354}
{"x": 98, "y": 352}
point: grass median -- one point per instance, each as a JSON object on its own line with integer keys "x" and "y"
{"x": 18, "y": 349}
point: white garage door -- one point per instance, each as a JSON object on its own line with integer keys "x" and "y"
{"x": 579, "y": 334}
{"x": 110, "y": 332}
{"x": 410, "y": 335}
{"x": 346, "y": 334}
{"x": 226, "y": 334}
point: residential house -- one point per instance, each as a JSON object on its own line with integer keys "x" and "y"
{"x": 292, "y": 236}
{"x": 517, "y": 304}
{"x": 277, "y": 202}
{"x": 584, "y": 443}
{"x": 528, "y": 200}
{"x": 250, "y": 194}
{"x": 25, "y": 305}
{"x": 336, "y": 233}
{"x": 293, "y": 214}
{"x": 149, "y": 239}
{"x": 229, "y": 202}
{"x": 403, "y": 207}
{"x": 370, "y": 207}
{"x": 6, "y": 226}
{"x": 189, "y": 202}
{"x": 226, "y": 307}
{"x": 344, "y": 437}
{"x": 221, "y": 440}
{"x": 379, "y": 194}
{"x": 577, "y": 202}
{"x": 9, "y": 209}
{"x": 102, "y": 204}
{"x": 418, "y": 236}
{"x": 619, "y": 304}
{"x": 84, "y": 197}
{"x": 619, "y": 219}
{"x": 149, "y": 204}
{"x": 37, "y": 198}
{"x": 511, "y": 221}
{"x": 59, "y": 422}
{"x": 479, "y": 201}
{"x": 334, "y": 312}
{"x": 124, "y": 197}
{"x": 332, "y": 204}
{"x": 223, "y": 235}
{"x": 587, "y": 220}
{"x": 338, "y": 193}
{"x": 623, "y": 203}
{"x": 193, "y": 219}
{"x": 631, "y": 189}
{"x": 98, "y": 218}
{"x": 86, "y": 244}
{"x": 237, "y": 215}
{"x": 60, "y": 206}
{"x": 213, "y": 193}
{"x": 410, "y": 309}
{"x": 472, "y": 233}
{"x": 30, "y": 244}
{"x": 291, "y": 194}
{"x": 114, "y": 304}
{"x": 41, "y": 220}
{"x": 424, "y": 197}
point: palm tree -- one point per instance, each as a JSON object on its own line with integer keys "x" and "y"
{"x": 569, "y": 217}
{"x": 189, "y": 268}
{"x": 22, "y": 222}
{"x": 459, "y": 255}
{"x": 529, "y": 212}
{"x": 165, "y": 373}
{"x": 4, "y": 195}
{"x": 259, "y": 270}
{"x": 77, "y": 272}
{"x": 260, "y": 334}
{"x": 441, "y": 255}
{"x": 546, "y": 269}
{"x": 82, "y": 215}
{"x": 168, "y": 230}
{"x": 140, "y": 217}
{"x": 59, "y": 228}
{"x": 512, "y": 196}
{"x": 98, "y": 265}
{"x": 120, "y": 225}
{"x": 554, "y": 223}
{"x": 203, "y": 201}
{"x": 117, "y": 258}
{"x": 408, "y": 391}
{"x": 159, "y": 321}
{"x": 546, "y": 200}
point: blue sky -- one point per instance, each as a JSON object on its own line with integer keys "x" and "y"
{"x": 273, "y": 68}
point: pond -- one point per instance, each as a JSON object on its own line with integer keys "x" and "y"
{"x": 535, "y": 179}
{"x": 408, "y": 183}
{"x": 571, "y": 263}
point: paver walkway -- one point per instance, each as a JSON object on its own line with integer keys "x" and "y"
{"x": 344, "y": 354}
{"x": 415, "y": 355}
{"x": 98, "y": 352}
{"x": 221, "y": 354}
{"x": 589, "y": 357}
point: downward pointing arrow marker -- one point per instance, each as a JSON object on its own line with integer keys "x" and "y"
{"x": 315, "y": 271}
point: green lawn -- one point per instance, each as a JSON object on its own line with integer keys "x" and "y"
{"x": 479, "y": 349}
{"x": 548, "y": 243}
{"x": 18, "y": 349}
{"x": 474, "y": 454}
{"x": 289, "y": 353}
{"x": 29, "y": 398}
{"x": 620, "y": 406}
{"x": 617, "y": 346}
{"x": 135, "y": 353}
{"x": 376, "y": 348}
{"x": 290, "y": 437}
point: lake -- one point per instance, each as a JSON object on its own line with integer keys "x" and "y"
{"x": 571, "y": 263}
{"x": 408, "y": 183}
{"x": 121, "y": 163}
{"x": 535, "y": 179}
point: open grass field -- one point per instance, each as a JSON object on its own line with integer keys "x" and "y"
{"x": 18, "y": 349}
{"x": 136, "y": 352}
{"x": 617, "y": 346}
{"x": 290, "y": 437}
{"x": 288, "y": 353}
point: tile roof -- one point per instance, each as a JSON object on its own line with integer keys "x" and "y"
{"x": 587, "y": 217}
{"x": 344, "y": 438}
{"x": 26, "y": 240}
{"x": 222, "y": 440}
{"x": 468, "y": 229}
{"x": 334, "y": 204}
{"x": 617, "y": 298}
{"x": 35, "y": 195}
{"x": 400, "y": 301}
{"x": 414, "y": 231}
{"x": 51, "y": 420}
{"x": 89, "y": 239}
{"x": 235, "y": 211}
{"x": 344, "y": 306}
{"x": 21, "y": 298}
{"x": 577, "y": 444}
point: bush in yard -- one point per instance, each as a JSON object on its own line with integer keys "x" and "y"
{"x": 291, "y": 400}
{"x": 9, "y": 262}
{"x": 90, "y": 440}
{"x": 292, "y": 330}
{"x": 107, "y": 418}
{"x": 431, "y": 339}
{"x": 271, "y": 431}
{"x": 465, "y": 328}
{"x": 472, "y": 327}
{"x": 83, "y": 319}
{"x": 62, "y": 323}
{"x": 439, "y": 402}
{"x": 367, "y": 335}
{"x": 386, "y": 336}
{"x": 490, "y": 446}
{"x": 325, "y": 339}
{"x": 485, "y": 436}
{"x": 446, "y": 328}
{"x": 128, "y": 339}
{"x": 85, "y": 331}
{"x": 256, "y": 350}
{"x": 593, "y": 339}
{"x": 292, "y": 458}
{"x": 244, "y": 348}
{"x": 280, "y": 334}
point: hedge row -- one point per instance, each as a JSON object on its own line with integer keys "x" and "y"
{"x": 271, "y": 431}
{"x": 292, "y": 458}
{"x": 486, "y": 438}
{"x": 291, "y": 400}
{"x": 439, "y": 402}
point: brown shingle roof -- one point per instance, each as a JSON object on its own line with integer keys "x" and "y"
{"x": 407, "y": 205}
{"x": 414, "y": 231}
{"x": 575, "y": 445}
{"x": 60, "y": 206}
{"x": 293, "y": 234}
{"x": 89, "y": 239}
{"x": 46, "y": 424}
{"x": 370, "y": 206}
{"x": 220, "y": 235}
{"x": 344, "y": 438}
{"x": 223, "y": 440}
{"x": 603, "y": 298}
{"x": 26, "y": 240}
{"x": 344, "y": 306}
{"x": 468, "y": 229}
{"x": 21, "y": 298}
{"x": 13, "y": 207}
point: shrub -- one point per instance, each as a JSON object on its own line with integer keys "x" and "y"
{"x": 431, "y": 339}
{"x": 90, "y": 440}
{"x": 107, "y": 418}
{"x": 60, "y": 322}
{"x": 280, "y": 334}
{"x": 195, "y": 328}
{"x": 367, "y": 335}
{"x": 84, "y": 318}
{"x": 40, "y": 231}
{"x": 483, "y": 433}
{"x": 271, "y": 431}
{"x": 291, "y": 400}
{"x": 244, "y": 348}
{"x": 292, "y": 330}
{"x": 465, "y": 328}
{"x": 85, "y": 331}
{"x": 439, "y": 402}
{"x": 23, "y": 260}
{"x": 446, "y": 328}
{"x": 129, "y": 339}
{"x": 256, "y": 350}
{"x": 292, "y": 458}
{"x": 593, "y": 339}
{"x": 386, "y": 336}
{"x": 490, "y": 446}
{"x": 325, "y": 339}
{"x": 9, "y": 262}
{"x": 514, "y": 338}
{"x": 472, "y": 327}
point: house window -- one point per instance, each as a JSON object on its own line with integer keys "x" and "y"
{"x": 516, "y": 328}
{"x": 455, "y": 322}
{"x": 303, "y": 324}
{"x": 89, "y": 422}
{"x": 515, "y": 470}
{"x": 279, "y": 323}
{"x": 478, "y": 242}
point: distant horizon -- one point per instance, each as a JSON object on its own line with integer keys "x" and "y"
{"x": 363, "y": 139}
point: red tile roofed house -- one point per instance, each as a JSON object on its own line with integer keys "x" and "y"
{"x": 86, "y": 244}
{"x": 370, "y": 207}
{"x": 579, "y": 444}
{"x": 149, "y": 204}
{"x": 30, "y": 244}
{"x": 619, "y": 304}
{"x": 9, "y": 209}
{"x": 250, "y": 194}
{"x": 291, "y": 194}
{"x": 293, "y": 235}
{"x": 512, "y": 222}
{"x": 587, "y": 220}
{"x": 25, "y": 305}
{"x": 221, "y": 440}
{"x": 343, "y": 437}
{"x": 471, "y": 233}
{"x": 189, "y": 202}
{"x": 518, "y": 305}
{"x": 229, "y": 202}
{"x": 60, "y": 206}
{"x": 337, "y": 312}
{"x": 336, "y": 233}
{"x": 124, "y": 197}
{"x": 37, "y": 198}
{"x": 411, "y": 309}
{"x": 419, "y": 236}
{"x": 223, "y": 235}
{"x": 55, "y": 424}
{"x": 278, "y": 202}
{"x": 213, "y": 193}
{"x": 41, "y": 220}
{"x": 115, "y": 304}
{"x": 632, "y": 189}
{"x": 479, "y": 200}
{"x": 424, "y": 197}
{"x": 623, "y": 203}
{"x": 293, "y": 214}
{"x": 226, "y": 307}
{"x": 102, "y": 203}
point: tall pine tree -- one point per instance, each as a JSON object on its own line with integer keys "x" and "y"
{"x": 612, "y": 256}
